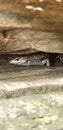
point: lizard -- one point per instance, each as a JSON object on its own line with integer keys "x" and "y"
{"x": 33, "y": 59}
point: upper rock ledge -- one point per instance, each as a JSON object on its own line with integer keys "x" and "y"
{"x": 45, "y": 15}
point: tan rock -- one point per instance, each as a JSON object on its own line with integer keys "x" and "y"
{"x": 27, "y": 40}
{"x": 46, "y": 15}
{"x": 35, "y": 25}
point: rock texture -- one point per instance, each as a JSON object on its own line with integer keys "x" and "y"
{"x": 32, "y": 112}
{"x": 45, "y": 15}
{"x": 31, "y": 25}
{"x": 28, "y": 40}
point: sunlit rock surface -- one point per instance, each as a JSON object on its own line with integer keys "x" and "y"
{"x": 29, "y": 40}
{"x": 46, "y": 15}
{"x": 35, "y": 112}
{"x": 38, "y": 25}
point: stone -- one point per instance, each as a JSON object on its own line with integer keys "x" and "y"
{"x": 46, "y": 15}
{"x": 29, "y": 26}
{"x": 22, "y": 41}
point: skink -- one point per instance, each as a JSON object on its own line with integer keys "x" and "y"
{"x": 31, "y": 59}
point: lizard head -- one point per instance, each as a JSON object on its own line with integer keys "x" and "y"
{"x": 18, "y": 61}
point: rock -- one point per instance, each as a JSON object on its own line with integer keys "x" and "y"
{"x": 28, "y": 40}
{"x": 32, "y": 112}
{"x": 46, "y": 15}
{"x": 30, "y": 26}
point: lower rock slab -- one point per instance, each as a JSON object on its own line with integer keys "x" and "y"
{"x": 32, "y": 112}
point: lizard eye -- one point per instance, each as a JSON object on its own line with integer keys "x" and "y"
{"x": 28, "y": 61}
{"x": 17, "y": 59}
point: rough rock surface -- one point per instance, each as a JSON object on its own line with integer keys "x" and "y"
{"x": 35, "y": 112}
{"x": 41, "y": 23}
{"x": 29, "y": 40}
{"x": 46, "y": 15}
